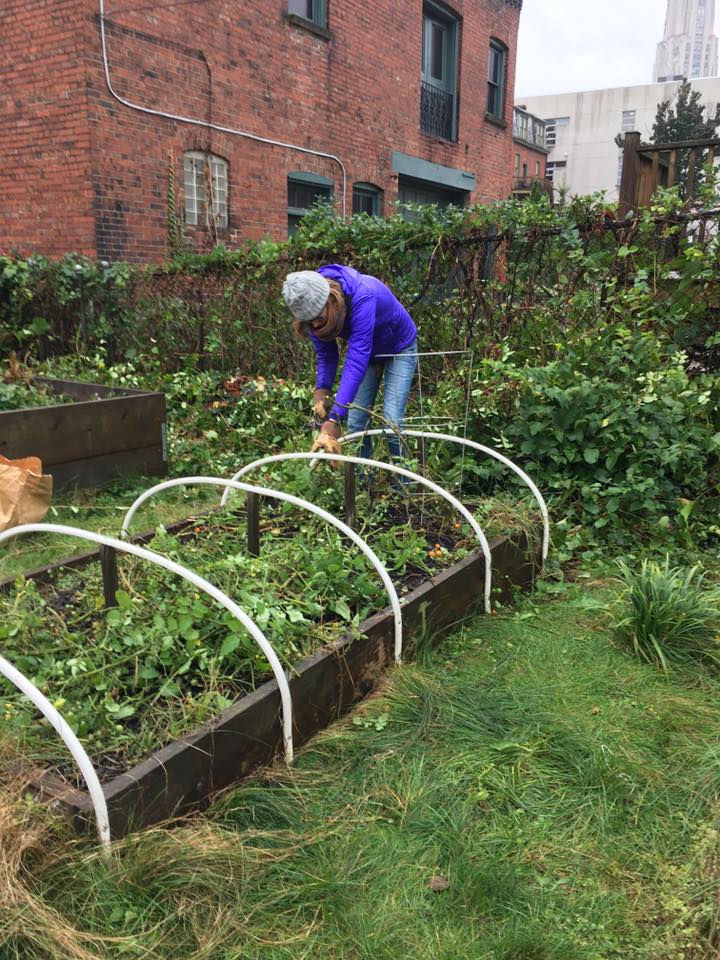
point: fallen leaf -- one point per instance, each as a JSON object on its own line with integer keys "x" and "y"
{"x": 437, "y": 884}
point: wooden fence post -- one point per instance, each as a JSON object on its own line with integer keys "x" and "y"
{"x": 630, "y": 175}
{"x": 253, "y": 524}
{"x": 108, "y": 566}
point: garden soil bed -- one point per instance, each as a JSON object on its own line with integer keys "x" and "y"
{"x": 106, "y": 432}
{"x": 185, "y": 774}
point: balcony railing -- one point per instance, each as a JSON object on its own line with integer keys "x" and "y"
{"x": 437, "y": 112}
{"x": 524, "y": 185}
{"x": 529, "y": 128}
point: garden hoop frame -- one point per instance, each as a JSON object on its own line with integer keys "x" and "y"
{"x": 202, "y": 584}
{"x": 298, "y": 502}
{"x": 450, "y": 438}
{"x": 69, "y": 738}
{"x": 392, "y": 468}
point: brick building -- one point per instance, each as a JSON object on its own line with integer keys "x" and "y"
{"x": 367, "y": 102}
{"x": 530, "y": 153}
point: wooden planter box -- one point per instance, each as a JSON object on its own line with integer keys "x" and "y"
{"x": 91, "y": 441}
{"x": 185, "y": 774}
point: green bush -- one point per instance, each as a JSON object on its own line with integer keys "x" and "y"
{"x": 627, "y": 434}
{"x": 669, "y": 615}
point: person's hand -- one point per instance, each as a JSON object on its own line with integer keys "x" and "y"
{"x": 321, "y": 403}
{"x": 327, "y": 440}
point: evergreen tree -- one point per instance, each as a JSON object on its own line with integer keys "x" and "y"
{"x": 687, "y": 121}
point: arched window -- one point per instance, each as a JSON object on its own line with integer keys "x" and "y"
{"x": 367, "y": 198}
{"x": 304, "y": 191}
{"x": 205, "y": 174}
{"x": 438, "y": 87}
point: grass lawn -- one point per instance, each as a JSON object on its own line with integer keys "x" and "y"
{"x": 528, "y": 791}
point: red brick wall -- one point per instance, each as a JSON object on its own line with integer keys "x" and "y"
{"x": 246, "y": 66}
{"x": 530, "y": 157}
{"x": 46, "y": 190}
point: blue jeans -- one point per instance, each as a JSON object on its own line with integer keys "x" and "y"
{"x": 399, "y": 372}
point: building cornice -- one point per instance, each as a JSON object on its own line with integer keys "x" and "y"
{"x": 517, "y": 4}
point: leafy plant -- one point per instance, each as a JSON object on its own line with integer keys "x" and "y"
{"x": 669, "y": 614}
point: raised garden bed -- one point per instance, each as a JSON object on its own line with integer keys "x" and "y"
{"x": 316, "y": 619}
{"x": 185, "y": 774}
{"x": 103, "y": 433}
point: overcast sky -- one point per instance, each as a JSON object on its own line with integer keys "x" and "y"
{"x": 567, "y": 45}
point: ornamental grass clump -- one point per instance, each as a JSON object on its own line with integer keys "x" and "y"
{"x": 669, "y": 614}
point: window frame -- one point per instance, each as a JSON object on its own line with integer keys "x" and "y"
{"x": 435, "y": 14}
{"x": 319, "y": 13}
{"x": 551, "y": 130}
{"x": 496, "y": 86}
{"x": 324, "y": 189}
{"x": 365, "y": 189}
{"x": 197, "y": 197}
{"x": 628, "y": 121}
{"x": 551, "y": 166}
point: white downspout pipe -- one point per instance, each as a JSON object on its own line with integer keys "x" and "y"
{"x": 213, "y": 126}
{"x": 392, "y": 468}
{"x": 298, "y": 502}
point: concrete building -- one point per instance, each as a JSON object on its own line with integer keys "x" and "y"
{"x": 689, "y": 48}
{"x": 261, "y": 108}
{"x": 580, "y": 130}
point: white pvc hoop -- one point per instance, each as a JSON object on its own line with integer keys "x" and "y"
{"x": 483, "y": 449}
{"x": 68, "y": 737}
{"x": 298, "y": 502}
{"x": 202, "y": 584}
{"x": 393, "y": 468}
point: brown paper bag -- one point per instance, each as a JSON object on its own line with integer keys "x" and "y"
{"x": 25, "y": 494}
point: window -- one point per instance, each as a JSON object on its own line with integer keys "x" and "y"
{"x": 537, "y": 168}
{"x": 551, "y": 130}
{"x": 497, "y": 61}
{"x": 628, "y": 121}
{"x": 619, "y": 169}
{"x": 517, "y": 164}
{"x": 205, "y": 173}
{"x": 438, "y": 88}
{"x": 304, "y": 191}
{"x": 313, "y": 10}
{"x": 552, "y": 167}
{"x": 425, "y": 193}
{"x": 367, "y": 198}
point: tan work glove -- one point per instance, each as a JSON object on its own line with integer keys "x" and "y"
{"x": 327, "y": 440}
{"x": 321, "y": 403}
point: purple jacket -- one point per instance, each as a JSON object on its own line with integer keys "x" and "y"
{"x": 376, "y": 323}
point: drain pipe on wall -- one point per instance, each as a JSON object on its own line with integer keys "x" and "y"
{"x": 213, "y": 126}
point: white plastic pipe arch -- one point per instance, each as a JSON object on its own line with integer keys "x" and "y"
{"x": 66, "y": 734}
{"x": 202, "y": 584}
{"x": 483, "y": 449}
{"x": 392, "y": 468}
{"x": 298, "y": 502}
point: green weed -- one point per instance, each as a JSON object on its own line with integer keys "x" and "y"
{"x": 669, "y": 614}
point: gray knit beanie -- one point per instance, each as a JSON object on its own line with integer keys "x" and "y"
{"x": 306, "y": 293}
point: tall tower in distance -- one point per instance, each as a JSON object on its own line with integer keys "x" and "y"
{"x": 689, "y": 48}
